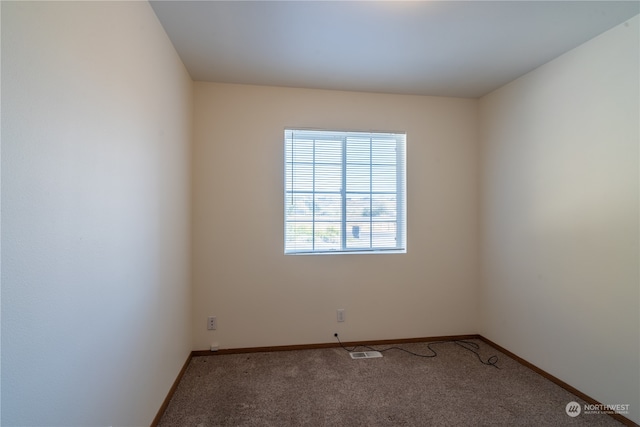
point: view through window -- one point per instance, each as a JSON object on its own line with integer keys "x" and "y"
{"x": 344, "y": 191}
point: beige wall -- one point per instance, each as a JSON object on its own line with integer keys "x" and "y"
{"x": 96, "y": 129}
{"x": 559, "y": 215}
{"x": 541, "y": 255}
{"x": 264, "y": 298}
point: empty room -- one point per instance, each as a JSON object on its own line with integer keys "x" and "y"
{"x": 320, "y": 213}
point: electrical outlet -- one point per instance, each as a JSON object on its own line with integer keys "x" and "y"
{"x": 212, "y": 323}
{"x": 340, "y": 315}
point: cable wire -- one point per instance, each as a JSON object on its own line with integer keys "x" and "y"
{"x": 467, "y": 345}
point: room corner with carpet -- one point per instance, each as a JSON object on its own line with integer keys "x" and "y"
{"x": 393, "y": 172}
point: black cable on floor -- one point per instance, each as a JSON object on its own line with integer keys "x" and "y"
{"x": 467, "y": 345}
{"x": 475, "y": 349}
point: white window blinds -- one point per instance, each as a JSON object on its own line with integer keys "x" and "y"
{"x": 344, "y": 191}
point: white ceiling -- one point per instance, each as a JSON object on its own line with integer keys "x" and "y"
{"x": 444, "y": 48}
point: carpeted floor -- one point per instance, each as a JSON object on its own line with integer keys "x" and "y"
{"x": 325, "y": 387}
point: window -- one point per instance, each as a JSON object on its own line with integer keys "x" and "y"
{"x": 344, "y": 192}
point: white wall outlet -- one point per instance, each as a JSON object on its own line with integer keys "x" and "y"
{"x": 340, "y": 315}
{"x": 212, "y": 323}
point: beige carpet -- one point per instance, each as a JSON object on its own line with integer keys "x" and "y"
{"x": 325, "y": 387}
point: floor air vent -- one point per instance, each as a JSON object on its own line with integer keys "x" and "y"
{"x": 365, "y": 354}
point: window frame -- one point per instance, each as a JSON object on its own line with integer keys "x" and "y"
{"x": 400, "y": 191}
